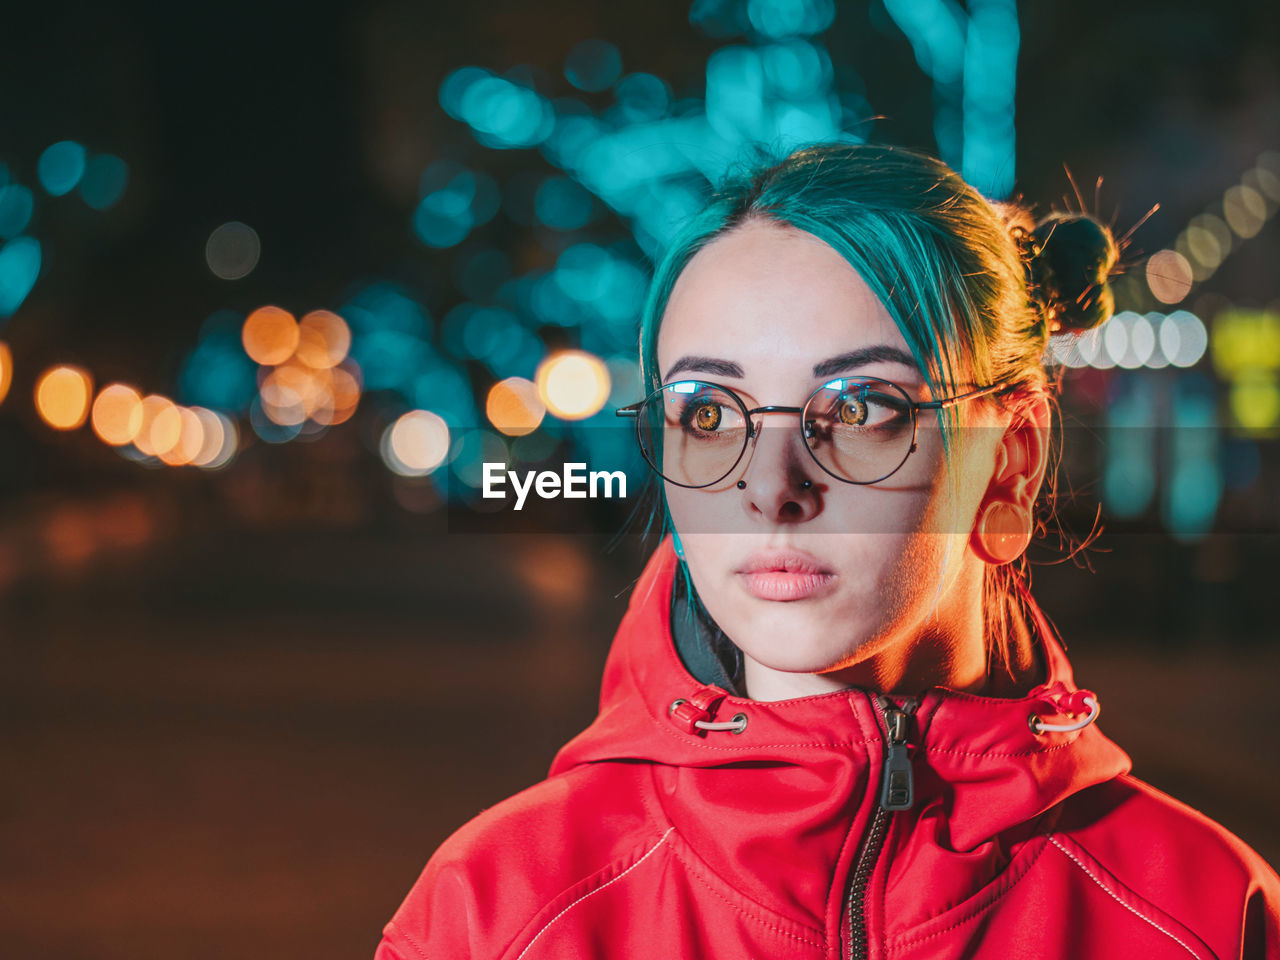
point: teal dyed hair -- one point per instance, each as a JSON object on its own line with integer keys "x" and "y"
{"x": 970, "y": 283}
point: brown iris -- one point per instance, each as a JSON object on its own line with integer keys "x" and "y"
{"x": 853, "y": 411}
{"x": 707, "y": 416}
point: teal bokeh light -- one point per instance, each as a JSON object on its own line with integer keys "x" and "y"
{"x": 501, "y": 113}
{"x": 19, "y": 267}
{"x": 218, "y": 373}
{"x": 16, "y": 205}
{"x": 562, "y": 204}
{"x": 104, "y": 180}
{"x": 790, "y": 18}
{"x": 60, "y": 167}
{"x": 593, "y": 65}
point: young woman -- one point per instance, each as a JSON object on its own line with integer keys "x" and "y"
{"x": 834, "y": 723}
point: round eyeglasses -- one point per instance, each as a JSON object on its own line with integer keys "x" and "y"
{"x": 857, "y": 429}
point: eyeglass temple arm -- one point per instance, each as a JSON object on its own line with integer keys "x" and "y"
{"x": 952, "y": 401}
{"x": 631, "y": 410}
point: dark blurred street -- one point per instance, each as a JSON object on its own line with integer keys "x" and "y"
{"x": 249, "y": 746}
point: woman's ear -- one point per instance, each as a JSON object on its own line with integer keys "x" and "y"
{"x": 1004, "y": 522}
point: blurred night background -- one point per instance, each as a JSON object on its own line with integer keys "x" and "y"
{"x": 275, "y": 279}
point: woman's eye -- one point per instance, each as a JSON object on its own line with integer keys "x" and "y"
{"x": 852, "y": 411}
{"x": 706, "y": 416}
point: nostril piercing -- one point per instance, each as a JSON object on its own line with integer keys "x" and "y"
{"x": 742, "y": 484}
{"x": 807, "y": 484}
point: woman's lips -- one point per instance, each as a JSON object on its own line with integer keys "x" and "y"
{"x": 782, "y": 585}
{"x": 785, "y": 574}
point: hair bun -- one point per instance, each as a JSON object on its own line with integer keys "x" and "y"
{"x": 1072, "y": 256}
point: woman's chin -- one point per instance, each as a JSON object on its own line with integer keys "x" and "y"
{"x": 796, "y": 651}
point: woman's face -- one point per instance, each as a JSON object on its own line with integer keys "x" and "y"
{"x": 758, "y": 310}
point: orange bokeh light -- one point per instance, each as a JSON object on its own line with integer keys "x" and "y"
{"x": 270, "y": 335}
{"x": 323, "y": 339}
{"x": 213, "y": 437}
{"x": 153, "y": 405}
{"x": 189, "y": 441}
{"x": 6, "y": 370}
{"x": 62, "y": 396}
{"x": 117, "y": 414}
{"x": 513, "y": 406}
{"x": 573, "y": 384}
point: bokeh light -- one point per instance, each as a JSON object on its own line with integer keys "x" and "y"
{"x": 1246, "y": 340}
{"x": 104, "y": 180}
{"x": 1131, "y": 340}
{"x": 286, "y": 392}
{"x": 60, "y": 167}
{"x": 17, "y": 203}
{"x": 272, "y": 431}
{"x": 572, "y": 384}
{"x": 156, "y": 410}
{"x": 62, "y": 396}
{"x": 232, "y": 250}
{"x": 189, "y": 441}
{"x": 562, "y": 204}
{"x": 165, "y": 430}
{"x": 344, "y": 386}
{"x": 6, "y": 370}
{"x": 502, "y": 113}
{"x": 19, "y": 267}
{"x": 270, "y": 335}
{"x": 323, "y": 339}
{"x": 416, "y": 443}
{"x": 513, "y": 406}
{"x": 117, "y": 414}
{"x": 217, "y": 373}
{"x": 1245, "y": 210}
{"x": 220, "y": 439}
{"x": 593, "y": 65}
{"x": 1169, "y": 276}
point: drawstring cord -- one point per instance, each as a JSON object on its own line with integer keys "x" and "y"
{"x": 1071, "y": 705}
{"x": 693, "y": 713}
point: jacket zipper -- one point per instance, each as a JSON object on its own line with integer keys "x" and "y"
{"x": 896, "y": 793}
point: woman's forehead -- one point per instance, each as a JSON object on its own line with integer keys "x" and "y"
{"x": 774, "y": 295}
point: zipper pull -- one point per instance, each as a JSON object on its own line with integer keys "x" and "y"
{"x": 896, "y": 784}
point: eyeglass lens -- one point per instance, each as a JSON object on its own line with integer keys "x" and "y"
{"x": 694, "y": 434}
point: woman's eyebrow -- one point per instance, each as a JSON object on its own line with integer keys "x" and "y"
{"x": 725, "y": 368}
{"x": 880, "y": 353}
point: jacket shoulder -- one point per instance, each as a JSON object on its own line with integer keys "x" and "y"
{"x": 1176, "y": 858}
{"x": 493, "y": 874}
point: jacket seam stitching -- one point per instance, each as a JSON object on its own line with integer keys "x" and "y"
{"x": 696, "y": 872}
{"x": 591, "y": 893}
{"x": 700, "y": 742}
{"x": 697, "y": 875}
{"x": 976, "y": 911}
{"x": 989, "y": 753}
{"x": 1112, "y": 894}
{"x": 417, "y": 948}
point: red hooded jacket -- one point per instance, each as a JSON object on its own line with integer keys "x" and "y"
{"x": 839, "y": 825}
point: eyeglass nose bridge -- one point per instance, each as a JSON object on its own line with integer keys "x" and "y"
{"x": 806, "y": 426}
{"x": 752, "y": 433}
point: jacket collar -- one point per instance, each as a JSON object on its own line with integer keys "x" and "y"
{"x": 977, "y": 756}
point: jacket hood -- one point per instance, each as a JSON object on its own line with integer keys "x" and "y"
{"x": 978, "y": 762}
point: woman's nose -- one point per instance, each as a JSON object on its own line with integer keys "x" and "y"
{"x": 780, "y": 485}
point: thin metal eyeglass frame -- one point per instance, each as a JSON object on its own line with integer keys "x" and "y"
{"x": 915, "y": 406}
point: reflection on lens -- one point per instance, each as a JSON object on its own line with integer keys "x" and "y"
{"x": 859, "y": 428}
{"x": 693, "y": 433}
